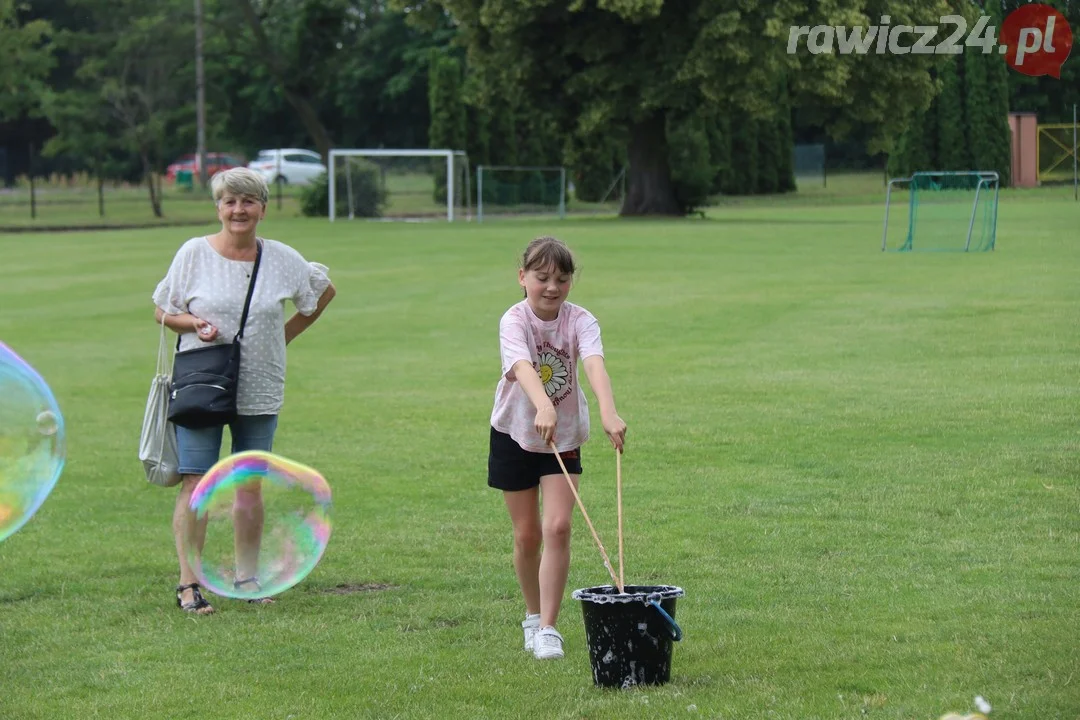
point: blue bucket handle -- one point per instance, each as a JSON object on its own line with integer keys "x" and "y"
{"x": 673, "y": 627}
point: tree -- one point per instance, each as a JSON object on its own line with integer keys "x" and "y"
{"x": 127, "y": 54}
{"x": 624, "y": 66}
{"x": 296, "y": 42}
{"x": 917, "y": 149}
{"x": 692, "y": 166}
{"x": 997, "y": 154}
{"x": 769, "y": 153}
{"x": 744, "y": 158}
{"x": 85, "y": 130}
{"x": 349, "y": 73}
{"x": 951, "y": 128}
{"x": 720, "y": 150}
{"x": 448, "y": 120}
{"x": 445, "y": 102}
{"x": 785, "y": 162}
{"x": 26, "y": 58}
{"x": 978, "y": 112}
{"x": 987, "y": 110}
{"x": 478, "y": 145}
{"x": 596, "y": 165}
{"x": 25, "y": 61}
{"x": 376, "y": 94}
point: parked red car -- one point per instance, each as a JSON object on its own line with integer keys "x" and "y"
{"x": 214, "y": 163}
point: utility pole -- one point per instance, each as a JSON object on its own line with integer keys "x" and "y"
{"x": 200, "y": 97}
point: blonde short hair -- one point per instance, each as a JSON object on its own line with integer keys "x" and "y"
{"x": 240, "y": 181}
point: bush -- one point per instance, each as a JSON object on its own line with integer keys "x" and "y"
{"x": 368, "y": 193}
{"x": 692, "y": 168}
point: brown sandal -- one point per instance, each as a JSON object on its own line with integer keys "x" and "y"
{"x": 198, "y": 604}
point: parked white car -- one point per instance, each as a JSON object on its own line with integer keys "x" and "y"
{"x": 295, "y": 166}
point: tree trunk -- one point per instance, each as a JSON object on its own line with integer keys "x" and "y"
{"x": 148, "y": 171}
{"x": 304, "y": 109}
{"x": 651, "y": 191}
{"x": 310, "y": 120}
{"x": 100, "y": 189}
{"x": 200, "y": 97}
{"x": 33, "y": 190}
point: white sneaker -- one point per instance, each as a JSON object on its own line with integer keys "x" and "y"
{"x": 547, "y": 645}
{"x": 529, "y": 626}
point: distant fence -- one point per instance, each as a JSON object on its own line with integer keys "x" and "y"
{"x": 81, "y": 201}
{"x": 809, "y": 164}
{"x": 1057, "y": 150}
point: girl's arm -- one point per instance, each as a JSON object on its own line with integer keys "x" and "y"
{"x": 299, "y": 323}
{"x": 614, "y": 426}
{"x": 546, "y": 418}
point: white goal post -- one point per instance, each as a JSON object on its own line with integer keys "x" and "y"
{"x": 449, "y": 155}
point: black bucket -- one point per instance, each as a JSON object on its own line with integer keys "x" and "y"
{"x": 630, "y": 633}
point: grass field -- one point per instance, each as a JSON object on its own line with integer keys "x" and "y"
{"x": 862, "y": 467}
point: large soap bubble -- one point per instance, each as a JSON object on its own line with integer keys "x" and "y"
{"x": 267, "y": 525}
{"x": 32, "y": 447}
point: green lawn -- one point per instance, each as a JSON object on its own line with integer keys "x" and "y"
{"x": 862, "y": 467}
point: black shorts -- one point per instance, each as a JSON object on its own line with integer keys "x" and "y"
{"x": 511, "y": 467}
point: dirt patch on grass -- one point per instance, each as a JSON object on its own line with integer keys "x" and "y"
{"x": 353, "y": 588}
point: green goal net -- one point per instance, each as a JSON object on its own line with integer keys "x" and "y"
{"x": 941, "y": 211}
{"x": 516, "y": 190}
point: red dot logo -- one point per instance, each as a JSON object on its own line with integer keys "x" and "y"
{"x": 1038, "y": 40}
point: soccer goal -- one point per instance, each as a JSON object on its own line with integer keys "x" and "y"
{"x": 520, "y": 190}
{"x": 399, "y": 184}
{"x": 942, "y": 211}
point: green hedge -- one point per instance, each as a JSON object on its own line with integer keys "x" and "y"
{"x": 369, "y": 196}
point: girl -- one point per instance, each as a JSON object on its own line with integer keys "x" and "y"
{"x": 542, "y": 339}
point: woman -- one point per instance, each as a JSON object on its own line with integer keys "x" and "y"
{"x": 202, "y": 299}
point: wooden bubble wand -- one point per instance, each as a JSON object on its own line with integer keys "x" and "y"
{"x": 581, "y": 506}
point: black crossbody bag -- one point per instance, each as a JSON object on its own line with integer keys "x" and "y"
{"x": 205, "y": 380}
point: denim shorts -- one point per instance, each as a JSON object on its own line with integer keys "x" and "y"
{"x": 200, "y": 450}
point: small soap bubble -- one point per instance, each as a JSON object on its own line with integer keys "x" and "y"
{"x": 47, "y": 424}
{"x": 32, "y": 444}
{"x": 267, "y": 525}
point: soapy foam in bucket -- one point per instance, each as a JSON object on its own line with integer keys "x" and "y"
{"x": 630, "y": 640}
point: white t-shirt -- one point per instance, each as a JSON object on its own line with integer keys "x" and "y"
{"x": 202, "y": 282}
{"x": 554, "y": 348}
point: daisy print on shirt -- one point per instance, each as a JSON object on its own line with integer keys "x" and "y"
{"x": 554, "y": 370}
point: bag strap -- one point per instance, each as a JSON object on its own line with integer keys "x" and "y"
{"x": 247, "y": 300}
{"x": 163, "y": 363}
{"x": 251, "y": 289}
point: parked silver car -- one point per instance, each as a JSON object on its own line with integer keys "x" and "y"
{"x": 295, "y": 166}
